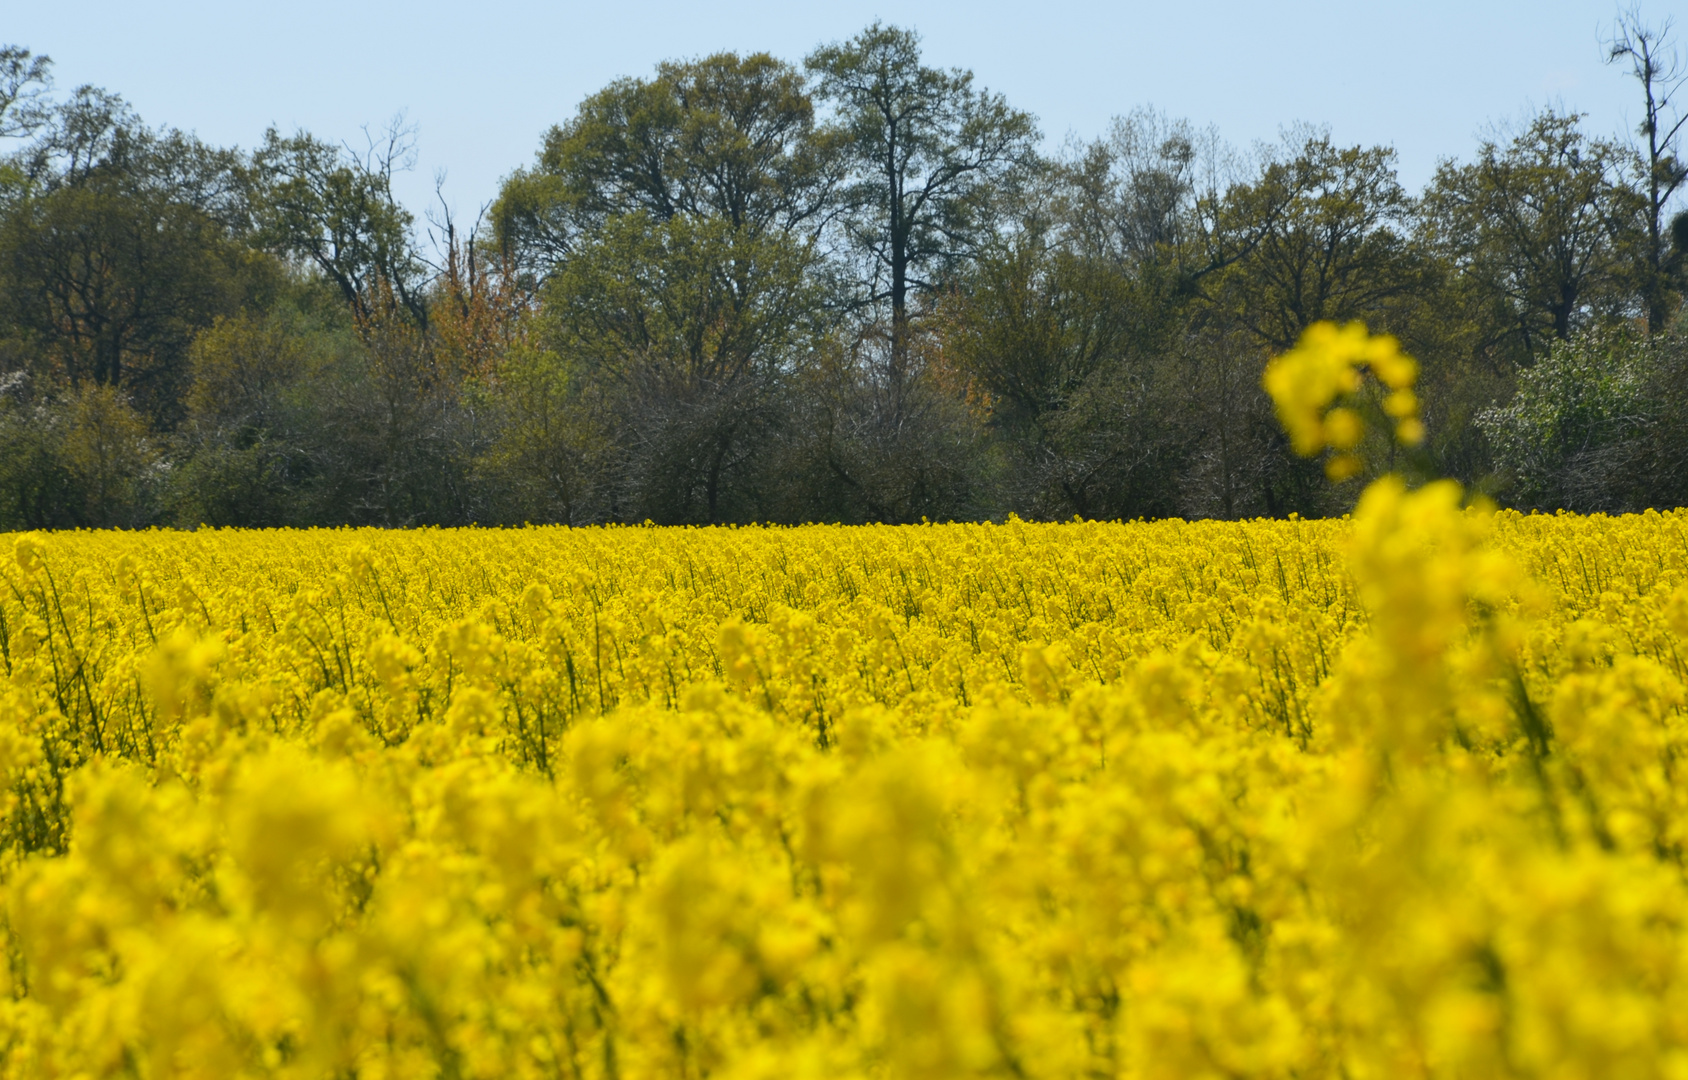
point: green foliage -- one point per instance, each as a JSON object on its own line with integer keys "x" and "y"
{"x": 1569, "y": 436}
{"x": 927, "y": 154}
{"x": 685, "y": 332}
{"x": 1335, "y": 243}
{"x": 313, "y": 200}
{"x": 1545, "y": 228}
{"x": 542, "y": 461}
{"x": 1059, "y": 350}
{"x": 24, "y": 81}
{"x": 116, "y": 247}
{"x": 848, "y": 290}
{"x": 85, "y": 459}
{"x": 725, "y": 136}
{"x": 240, "y": 466}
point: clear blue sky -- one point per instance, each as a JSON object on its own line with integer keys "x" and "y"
{"x": 482, "y": 82}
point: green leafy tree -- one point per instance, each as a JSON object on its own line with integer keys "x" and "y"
{"x": 78, "y": 459}
{"x": 544, "y": 458}
{"x": 1571, "y": 435}
{"x": 1320, "y": 232}
{"x": 686, "y": 332}
{"x": 725, "y": 136}
{"x": 1337, "y": 245}
{"x": 1060, "y": 351}
{"x": 928, "y": 153}
{"x": 1543, "y": 227}
{"x": 669, "y": 228}
{"x": 119, "y": 245}
{"x": 335, "y": 210}
{"x": 242, "y": 460}
{"x": 1158, "y": 196}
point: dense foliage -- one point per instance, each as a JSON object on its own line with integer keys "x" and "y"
{"x": 742, "y": 289}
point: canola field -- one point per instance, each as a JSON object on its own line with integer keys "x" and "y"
{"x": 1399, "y": 795}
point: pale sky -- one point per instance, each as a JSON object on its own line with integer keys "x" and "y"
{"x": 482, "y": 83}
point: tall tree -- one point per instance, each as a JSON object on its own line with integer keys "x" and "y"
{"x": 1334, "y": 243}
{"x": 1168, "y": 202}
{"x": 684, "y": 332}
{"x": 1543, "y": 224}
{"x": 927, "y": 151}
{"x": 669, "y": 230}
{"x": 725, "y": 136}
{"x": 1653, "y": 62}
{"x": 1061, "y": 351}
{"x": 1131, "y": 195}
{"x": 120, "y": 244}
{"x": 335, "y": 210}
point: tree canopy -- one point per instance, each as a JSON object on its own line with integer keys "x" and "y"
{"x": 851, "y": 286}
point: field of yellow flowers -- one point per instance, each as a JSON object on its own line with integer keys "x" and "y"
{"x": 1394, "y": 796}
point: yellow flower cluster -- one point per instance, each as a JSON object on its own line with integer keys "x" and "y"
{"x": 1326, "y": 366}
{"x": 1391, "y": 797}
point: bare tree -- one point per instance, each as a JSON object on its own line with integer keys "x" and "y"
{"x": 1654, "y": 63}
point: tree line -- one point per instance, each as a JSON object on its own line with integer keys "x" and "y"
{"x": 852, "y": 289}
